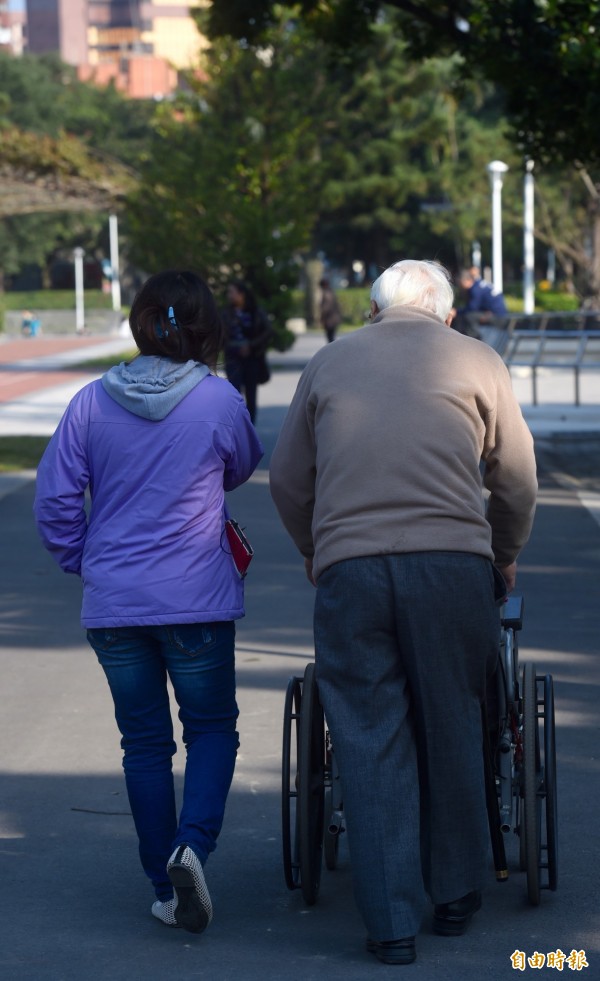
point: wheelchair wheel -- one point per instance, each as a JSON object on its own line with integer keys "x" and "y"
{"x": 530, "y": 827}
{"x": 289, "y": 782}
{"x": 311, "y": 787}
{"x": 551, "y": 813}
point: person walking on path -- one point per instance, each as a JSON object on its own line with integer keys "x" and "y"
{"x": 157, "y": 442}
{"x": 247, "y": 335}
{"x": 376, "y": 476}
{"x": 329, "y": 310}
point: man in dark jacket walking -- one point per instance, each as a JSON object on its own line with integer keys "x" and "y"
{"x": 484, "y": 305}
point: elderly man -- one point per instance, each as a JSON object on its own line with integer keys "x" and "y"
{"x": 376, "y": 476}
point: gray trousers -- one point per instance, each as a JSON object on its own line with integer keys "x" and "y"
{"x": 404, "y": 645}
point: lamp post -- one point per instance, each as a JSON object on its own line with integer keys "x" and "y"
{"x": 528, "y": 241}
{"x": 496, "y": 169}
{"x": 78, "y": 255}
{"x": 115, "y": 282}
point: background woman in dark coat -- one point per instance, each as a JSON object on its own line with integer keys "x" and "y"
{"x": 247, "y": 334}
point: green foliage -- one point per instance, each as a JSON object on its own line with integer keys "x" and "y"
{"x": 544, "y": 54}
{"x": 232, "y": 184}
{"x": 555, "y": 300}
{"x": 62, "y": 137}
{"x": 278, "y": 147}
{"x": 355, "y": 305}
{"x": 54, "y": 300}
{"x": 545, "y": 301}
{"x": 282, "y": 339}
{"x": 21, "y": 452}
{"x": 41, "y": 94}
{"x": 410, "y": 165}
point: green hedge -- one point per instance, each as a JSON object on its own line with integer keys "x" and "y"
{"x": 55, "y": 300}
{"x": 354, "y": 303}
{"x": 545, "y": 300}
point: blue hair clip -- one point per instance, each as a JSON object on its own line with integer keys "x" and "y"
{"x": 172, "y": 320}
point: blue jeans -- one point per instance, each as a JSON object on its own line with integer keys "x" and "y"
{"x": 199, "y": 660}
{"x": 404, "y": 646}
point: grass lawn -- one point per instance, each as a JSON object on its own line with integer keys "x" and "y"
{"x": 55, "y": 300}
{"x": 21, "y": 452}
{"x": 103, "y": 364}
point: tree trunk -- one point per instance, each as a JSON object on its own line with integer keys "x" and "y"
{"x": 595, "y": 257}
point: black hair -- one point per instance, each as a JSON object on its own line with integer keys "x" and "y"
{"x": 242, "y": 287}
{"x": 196, "y": 335}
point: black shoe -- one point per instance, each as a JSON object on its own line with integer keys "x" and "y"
{"x": 452, "y": 919}
{"x": 393, "y": 951}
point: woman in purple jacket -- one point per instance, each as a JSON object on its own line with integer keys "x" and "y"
{"x": 157, "y": 442}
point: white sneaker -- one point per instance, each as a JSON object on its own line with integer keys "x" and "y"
{"x": 193, "y": 908}
{"x": 165, "y": 911}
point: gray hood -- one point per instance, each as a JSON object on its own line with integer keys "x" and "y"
{"x": 151, "y": 387}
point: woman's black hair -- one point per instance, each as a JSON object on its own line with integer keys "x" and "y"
{"x": 174, "y": 315}
{"x": 242, "y": 287}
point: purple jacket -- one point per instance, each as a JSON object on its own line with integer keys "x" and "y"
{"x": 152, "y": 549}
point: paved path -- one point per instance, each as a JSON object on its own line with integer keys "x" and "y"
{"x": 74, "y": 905}
{"x": 38, "y": 377}
{"x": 28, "y": 365}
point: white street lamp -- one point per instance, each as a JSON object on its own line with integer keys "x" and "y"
{"x": 78, "y": 255}
{"x": 115, "y": 281}
{"x": 528, "y": 241}
{"x": 496, "y": 169}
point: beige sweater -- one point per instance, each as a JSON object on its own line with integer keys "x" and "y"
{"x": 380, "y": 450}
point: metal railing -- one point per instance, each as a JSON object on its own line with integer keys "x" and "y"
{"x": 566, "y": 339}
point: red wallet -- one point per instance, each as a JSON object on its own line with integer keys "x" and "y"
{"x": 241, "y": 549}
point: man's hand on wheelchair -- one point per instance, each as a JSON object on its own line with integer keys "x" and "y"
{"x": 308, "y": 564}
{"x": 510, "y": 575}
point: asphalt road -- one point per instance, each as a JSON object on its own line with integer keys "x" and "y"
{"x": 74, "y": 903}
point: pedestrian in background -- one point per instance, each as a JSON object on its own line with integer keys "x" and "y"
{"x": 484, "y": 305}
{"x": 247, "y": 335}
{"x": 30, "y": 324}
{"x": 329, "y": 310}
{"x": 157, "y": 442}
{"x": 376, "y": 476}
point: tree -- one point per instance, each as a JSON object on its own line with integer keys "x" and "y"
{"x": 52, "y": 192}
{"x": 232, "y": 183}
{"x": 545, "y": 55}
{"x": 409, "y": 176}
{"x": 68, "y": 153}
{"x": 41, "y": 94}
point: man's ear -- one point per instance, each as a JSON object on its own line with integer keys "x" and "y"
{"x": 374, "y": 309}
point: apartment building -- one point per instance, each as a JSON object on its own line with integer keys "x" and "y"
{"x": 12, "y": 27}
{"x": 138, "y": 44}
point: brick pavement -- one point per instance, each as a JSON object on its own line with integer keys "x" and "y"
{"x": 24, "y": 348}
{"x": 16, "y": 381}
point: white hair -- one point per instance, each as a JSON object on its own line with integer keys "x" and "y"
{"x": 415, "y": 283}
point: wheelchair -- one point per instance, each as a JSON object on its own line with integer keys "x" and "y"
{"x": 519, "y": 756}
